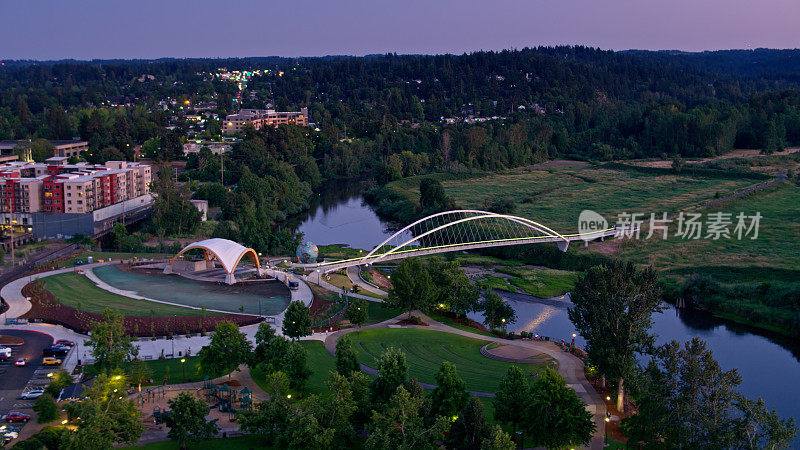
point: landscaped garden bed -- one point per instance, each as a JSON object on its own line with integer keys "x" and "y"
{"x": 46, "y": 307}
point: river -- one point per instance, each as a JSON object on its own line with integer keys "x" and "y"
{"x": 769, "y": 365}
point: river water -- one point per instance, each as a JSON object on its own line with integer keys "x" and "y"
{"x": 769, "y": 365}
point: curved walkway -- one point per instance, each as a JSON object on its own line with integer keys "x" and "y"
{"x": 569, "y": 366}
{"x": 354, "y": 274}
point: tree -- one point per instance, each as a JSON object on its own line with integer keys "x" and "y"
{"x": 498, "y": 440}
{"x": 511, "y": 398}
{"x": 450, "y": 394}
{"x": 453, "y": 289}
{"x": 227, "y": 350}
{"x": 612, "y": 309}
{"x": 432, "y": 198}
{"x": 270, "y": 349}
{"x": 392, "y": 373}
{"x": 172, "y": 211}
{"x": 107, "y": 417}
{"x": 346, "y": 357}
{"x": 295, "y": 366}
{"x": 111, "y": 346}
{"x": 496, "y": 311}
{"x": 470, "y": 429}
{"x": 411, "y": 287}
{"x": 59, "y": 381}
{"x": 357, "y": 312}
{"x": 686, "y": 399}
{"x": 187, "y": 423}
{"x": 401, "y": 425}
{"x": 269, "y": 419}
{"x": 759, "y": 428}
{"x": 139, "y": 372}
{"x": 556, "y": 416}
{"x": 297, "y": 320}
{"x": 45, "y": 408}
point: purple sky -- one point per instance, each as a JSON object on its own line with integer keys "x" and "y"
{"x": 85, "y": 29}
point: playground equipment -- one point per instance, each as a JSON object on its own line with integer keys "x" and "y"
{"x": 227, "y": 399}
{"x": 150, "y": 395}
{"x": 159, "y": 415}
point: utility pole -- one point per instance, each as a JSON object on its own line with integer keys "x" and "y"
{"x": 222, "y": 167}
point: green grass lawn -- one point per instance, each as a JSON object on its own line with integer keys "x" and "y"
{"x": 448, "y": 321}
{"x": 340, "y": 280}
{"x": 492, "y": 282}
{"x": 426, "y": 350}
{"x": 378, "y": 313}
{"x": 75, "y": 290}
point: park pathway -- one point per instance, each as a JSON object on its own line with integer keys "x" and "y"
{"x": 569, "y": 366}
{"x": 354, "y": 274}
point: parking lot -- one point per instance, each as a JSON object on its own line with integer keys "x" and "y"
{"x": 15, "y": 380}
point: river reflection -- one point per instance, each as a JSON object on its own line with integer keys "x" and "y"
{"x": 339, "y": 215}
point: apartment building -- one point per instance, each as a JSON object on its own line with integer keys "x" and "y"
{"x": 56, "y": 187}
{"x": 235, "y": 123}
{"x": 68, "y": 149}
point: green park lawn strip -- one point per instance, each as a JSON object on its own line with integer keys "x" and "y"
{"x": 75, "y": 290}
{"x": 339, "y": 280}
{"x": 426, "y": 350}
{"x": 449, "y": 322}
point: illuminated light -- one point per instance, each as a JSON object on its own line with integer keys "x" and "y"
{"x": 289, "y": 396}
{"x": 183, "y": 360}
{"x": 64, "y": 422}
{"x": 118, "y": 377}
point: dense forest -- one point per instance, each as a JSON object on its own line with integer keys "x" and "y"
{"x": 385, "y": 117}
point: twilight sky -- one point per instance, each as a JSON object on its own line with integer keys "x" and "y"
{"x": 85, "y": 29}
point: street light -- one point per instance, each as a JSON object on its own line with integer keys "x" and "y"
{"x": 605, "y": 441}
{"x": 572, "y": 345}
{"x": 183, "y": 369}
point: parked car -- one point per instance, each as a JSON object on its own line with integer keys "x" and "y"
{"x": 50, "y": 361}
{"x": 32, "y": 394}
{"x": 5, "y": 428}
{"x": 56, "y": 350}
{"x": 5, "y": 353}
{"x": 16, "y": 417}
{"x": 66, "y": 342}
{"x": 21, "y": 362}
{"x": 9, "y": 436}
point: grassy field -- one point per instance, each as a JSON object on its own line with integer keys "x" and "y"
{"x": 378, "y": 313}
{"x": 79, "y": 292}
{"x": 541, "y": 282}
{"x": 426, "y": 350}
{"x": 556, "y": 198}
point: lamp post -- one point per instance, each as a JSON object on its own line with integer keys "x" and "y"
{"x": 183, "y": 370}
{"x": 605, "y": 440}
{"x": 572, "y": 345}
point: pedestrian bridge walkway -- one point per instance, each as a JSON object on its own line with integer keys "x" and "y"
{"x": 461, "y": 230}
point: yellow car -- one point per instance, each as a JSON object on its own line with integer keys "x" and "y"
{"x": 50, "y": 361}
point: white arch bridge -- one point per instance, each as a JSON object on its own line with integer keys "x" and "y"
{"x": 458, "y": 230}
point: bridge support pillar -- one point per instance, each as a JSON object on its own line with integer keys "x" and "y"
{"x": 585, "y": 243}
{"x": 168, "y": 269}
{"x": 562, "y": 245}
{"x": 230, "y": 279}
